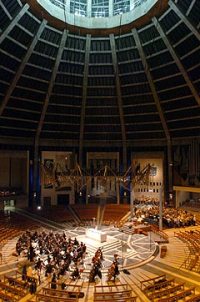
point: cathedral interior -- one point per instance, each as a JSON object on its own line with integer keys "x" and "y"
{"x": 100, "y": 130}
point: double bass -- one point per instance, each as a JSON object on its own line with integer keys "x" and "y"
{"x": 113, "y": 271}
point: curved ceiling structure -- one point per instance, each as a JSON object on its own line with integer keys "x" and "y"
{"x": 130, "y": 88}
{"x": 97, "y": 14}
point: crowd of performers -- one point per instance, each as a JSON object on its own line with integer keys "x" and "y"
{"x": 56, "y": 255}
{"x": 53, "y": 253}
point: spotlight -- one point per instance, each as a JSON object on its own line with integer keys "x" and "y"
{"x": 39, "y": 208}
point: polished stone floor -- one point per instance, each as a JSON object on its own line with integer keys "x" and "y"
{"x": 132, "y": 250}
{"x": 136, "y": 253}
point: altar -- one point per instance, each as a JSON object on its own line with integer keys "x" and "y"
{"x": 97, "y": 235}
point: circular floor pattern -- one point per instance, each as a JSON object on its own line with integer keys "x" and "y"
{"x": 133, "y": 250}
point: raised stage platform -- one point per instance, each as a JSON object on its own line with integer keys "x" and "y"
{"x": 133, "y": 249}
{"x": 97, "y": 235}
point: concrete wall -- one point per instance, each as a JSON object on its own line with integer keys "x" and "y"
{"x": 14, "y": 173}
{"x": 156, "y": 182}
{"x": 4, "y": 171}
{"x": 61, "y": 160}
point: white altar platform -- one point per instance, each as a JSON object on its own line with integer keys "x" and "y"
{"x": 97, "y": 235}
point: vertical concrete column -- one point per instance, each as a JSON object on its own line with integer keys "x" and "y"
{"x": 89, "y": 8}
{"x": 110, "y": 8}
{"x": 36, "y": 169}
{"x": 160, "y": 208}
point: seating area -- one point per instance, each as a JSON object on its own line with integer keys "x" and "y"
{"x": 162, "y": 289}
{"x": 110, "y": 214}
{"x": 121, "y": 292}
{"x": 12, "y": 225}
{"x": 52, "y": 298}
{"x": 192, "y": 203}
{"x": 160, "y": 233}
{"x": 72, "y": 292}
{"x": 172, "y": 217}
{"x": 12, "y": 288}
{"x": 159, "y": 288}
{"x": 193, "y": 208}
{"x": 85, "y": 212}
{"x": 114, "y": 213}
{"x": 72, "y": 288}
{"x": 191, "y": 238}
{"x": 57, "y": 214}
{"x": 151, "y": 283}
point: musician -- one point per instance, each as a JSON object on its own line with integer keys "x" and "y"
{"x": 99, "y": 254}
{"x": 76, "y": 241}
{"x": 75, "y": 274}
{"x": 113, "y": 271}
{"x": 31, "y": 253}
{"x": 49, "y": 269}
{"x": 95, "y": 271}
{"x": 38, "y": 265}
{"x": 116, "y": 269}
{"x": 24, "y": 272}
{"x": 52, "y": 251}
{"x": 53, "y": 281}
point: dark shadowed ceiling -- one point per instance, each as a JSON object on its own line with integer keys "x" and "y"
{"x": 138, "y": 86}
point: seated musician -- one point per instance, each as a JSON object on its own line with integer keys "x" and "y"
{"x": 75, "y": 274}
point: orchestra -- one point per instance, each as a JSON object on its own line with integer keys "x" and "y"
{"x": 56, "y": 254}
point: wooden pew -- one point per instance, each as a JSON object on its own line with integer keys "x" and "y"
{"x": 159, "y": 285}
{"x": 17, "y": 293}
{"x": 145, "y": 284}
{"x": 63, "y": 293}
{"x": 116, "y": 299}
{"x": 167, "y": 292}
{"x": 23, "y": 285}
{"x": 69, "y": 286}
{"x": 6, "y": 297}
{"x": 190, "y": 238}
{"x": 52, "y": 298}
{"x": 180, "y": 296}
{"x": 85, "y": 212}
{"x": 114, "y": 213}
{"x": 120, "y": 293}
{"x": 194, "y": 298}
